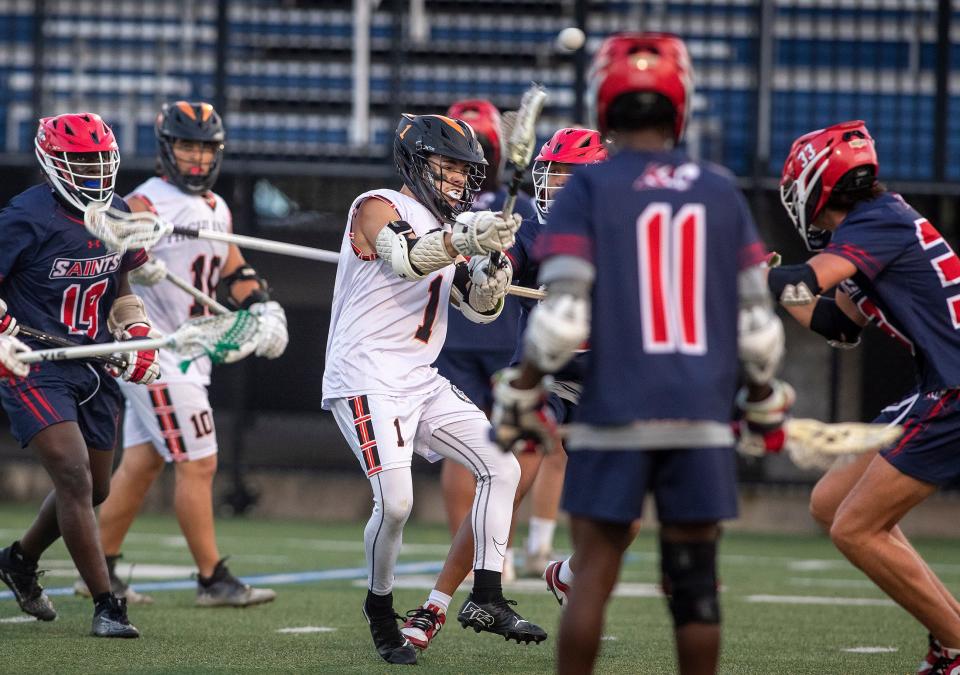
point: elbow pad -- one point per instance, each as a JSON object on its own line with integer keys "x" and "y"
{"x": 410, "y": 257}
{"x": 246, "y": 273}
{"x": 833, "y": 323}
{"x": 556, "y": 329}
{"x": 793, "y": 284}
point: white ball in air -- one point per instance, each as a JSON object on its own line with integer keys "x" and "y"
{"x": 571, "y": 39}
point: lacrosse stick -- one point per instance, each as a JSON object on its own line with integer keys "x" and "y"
{"x": 211, "y": 336}
{"x": 54, "y": 341}
{"x": 812, "y": 444}
{"x": 122, "y": 231}
{"x": 151, "y": 266}
{"x": 520, "y": 145}
{"x": 524, "y": 292}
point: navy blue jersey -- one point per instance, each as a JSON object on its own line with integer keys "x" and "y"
{"x": 499, "y": 335}
{"x": 668, "y": 238}
{"x": 909, "y": 283}
{"x": 54, "y": 275}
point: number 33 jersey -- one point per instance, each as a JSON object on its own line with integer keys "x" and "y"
{"x": 54, "y": 275}
{"x": 385, "y": 332}
{"x": 193, "y": 260}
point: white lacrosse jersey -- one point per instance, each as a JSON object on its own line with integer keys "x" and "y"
{"x": 194, "y": 260}
{"x": 385, "y": 332}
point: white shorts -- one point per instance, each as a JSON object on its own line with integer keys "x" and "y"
{"x": 176, "y": 418}
{"x": 385, "y": 431}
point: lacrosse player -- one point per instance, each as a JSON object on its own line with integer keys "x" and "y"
{"x": 171, "y": 422}
{"x": 473, "y": 352}
{"x": 57, "y": 278}
{"x": 552, "y": 168}
{"x": 395, "y": 283}
{"x": 654, "y": 250}
{"x": 892, "y": 268}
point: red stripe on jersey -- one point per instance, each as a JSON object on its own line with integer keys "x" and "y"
{"x": 146, "y": 202}
{"x": 751, "y": 255}
{"x": 26, "y": 401}
{"x": 921, "y": 425}
{"x": 167, "y": 419}
{"x": 43, "y": 402}
{"x": 563, "y": 244}
{"x": 365, "y": 435}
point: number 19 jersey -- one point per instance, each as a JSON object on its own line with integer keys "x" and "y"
{"x": 195, "y": 260}
{"x": 385, "y": 332}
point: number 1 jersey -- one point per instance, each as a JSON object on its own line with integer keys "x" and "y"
{"x": 54, "y": 275}
{"x": 197, "y": 261}
{"x": 385, "y": 332}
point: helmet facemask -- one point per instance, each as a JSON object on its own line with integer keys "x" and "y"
{"x": 443, "y": 190}
{"x": 800, "y": 197}
{"x": 549, "y": 177}
{"x": 193, "y": 181}
{"x": 81, "y": 177}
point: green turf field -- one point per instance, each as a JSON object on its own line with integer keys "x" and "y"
{"x": 769, "y": 581}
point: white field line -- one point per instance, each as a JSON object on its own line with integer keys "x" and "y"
{"x": 18, "y": 619}
{"x": 830, "y": 583}
{"x": 820, "y": 600}
{"x": 870, "y": 650}
{"x": 307, "y": 629}
{"x": 523, "y": 586}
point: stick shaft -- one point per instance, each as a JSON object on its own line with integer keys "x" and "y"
{"x": 524, "y": 292}
{"x": 55, "y": 341}
{"x": 198, "y": 295}
{"x": 88, "y": 351}
{"x": 258, "y": 244}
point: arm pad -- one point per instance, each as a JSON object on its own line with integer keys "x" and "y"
{"x": 126, "y": 311}
{"x": 794, "y": 284}
{"x": 247, "y": 273}
{"x": 833, "y": 323}
{"x": 412, "y": 258}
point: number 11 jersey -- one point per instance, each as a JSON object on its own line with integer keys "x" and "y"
{"x": 385, "y": 331}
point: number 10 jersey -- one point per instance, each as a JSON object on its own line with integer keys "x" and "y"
{"x": 385, "y": 332}
{"x": 194, "y": 260}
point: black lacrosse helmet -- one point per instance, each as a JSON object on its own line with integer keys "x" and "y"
{"x": 420, "y": 136}
{"x": 190, "y": 122}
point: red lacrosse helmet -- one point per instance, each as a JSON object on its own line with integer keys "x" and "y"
{"x": 841, "y": 158}
{"x": 79, "y": 155}
{"x": 566, "y": 146}
{"x": 484, "y": 118}
{"x": 637, "y": 62}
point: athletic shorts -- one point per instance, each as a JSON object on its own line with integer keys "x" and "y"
{"x": 64, "y": 391}
{"x": 929, "y": 449}
{"x": 176, "y": 418}
{"x": 688, "y": 485}
{"x": 385, "y": 431}
{"x": 472, "y": 371}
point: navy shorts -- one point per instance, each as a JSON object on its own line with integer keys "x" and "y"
{"x": 471, "y": 371}
{"x": 929, "y": 449}
{"x": 65, "y": 391}
{"x": 691, "y": 485}
{"x": 561, "y": 408}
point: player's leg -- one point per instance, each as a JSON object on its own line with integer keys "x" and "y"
{"x": 862, "y": 532}
{"x": 458, "y": 486}
{"x": 371, "y": 426}
{"x": 545, "y": 497}
{"x": 600, "y": 546}
{"x": 139, "y": 467}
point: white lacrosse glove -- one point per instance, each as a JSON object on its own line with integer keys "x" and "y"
{"x": 10, "y": 363}
{"x": 486, "y": 289}
{"x": 142, "y": 366}
{"x": 8, "y": 325}
{"x": 150, "y": 273}
{"x": 558, "y": 326}
{"x": 762, "y": 427}
{"x": 521, "y": 419}
{"x": 760, "y": 342}
{"x": 272, "y": 335}
{"x": 480, "y": 232}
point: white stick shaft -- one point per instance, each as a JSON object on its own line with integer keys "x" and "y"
{"x": 523, "y": 292}
{"x": 267, "y": 245}
{"x": 198, "y": 295}
{"x": 86, "y": 351}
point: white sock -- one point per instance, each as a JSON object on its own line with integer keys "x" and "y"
{"x": 565, "y": 573}
{"x": 541, "y": 535}
{"x": 441, "y": 600}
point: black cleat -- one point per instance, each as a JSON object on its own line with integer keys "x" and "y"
{"x": 498, "y": 617}
{"x": 23, "y": 580}
{"x": 110, "y": 620}
{"x": 391, "y": 645}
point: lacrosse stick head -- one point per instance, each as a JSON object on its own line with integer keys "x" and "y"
{"x": 123, "y": 231}
{"x": 523, "y": 127}
{"x": 216, "y": 337}
{"x": 79, "y": 157}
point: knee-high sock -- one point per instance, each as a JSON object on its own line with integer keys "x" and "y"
{"x": 392, "y": 502}
{"x": 497, "y": 473}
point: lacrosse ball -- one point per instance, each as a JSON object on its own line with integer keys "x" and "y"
{"x": 571, "y": 39}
